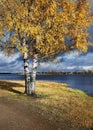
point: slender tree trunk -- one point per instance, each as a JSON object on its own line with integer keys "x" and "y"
{"x": 26, "y": 68}
{"x": 27, "y": 73}
{"x": 33, "y": 75}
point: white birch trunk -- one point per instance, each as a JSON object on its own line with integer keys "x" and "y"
{"x": 27, "y": 73}
{"x": 33, "y": 75}
{"x": 26, "y": 68}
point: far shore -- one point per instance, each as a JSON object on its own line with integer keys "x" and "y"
{"x": 60, "y": 73}
{"x": 55, "y": 73}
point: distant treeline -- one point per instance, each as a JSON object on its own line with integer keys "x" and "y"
{"x": 55, "y": 72}
{"x": 58, "y": 73}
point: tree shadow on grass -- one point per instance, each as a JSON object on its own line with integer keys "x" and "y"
{"x": 7, "y": 85}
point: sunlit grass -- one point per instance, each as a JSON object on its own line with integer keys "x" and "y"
{"x": 72, "y": 107}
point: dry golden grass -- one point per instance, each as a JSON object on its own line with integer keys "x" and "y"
{"x": 72, "y": 107}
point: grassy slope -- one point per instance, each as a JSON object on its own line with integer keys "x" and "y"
{"x": 73, "y": 108}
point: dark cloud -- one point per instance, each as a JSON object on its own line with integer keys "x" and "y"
{"x": 12, "y": 63}
{"x": 72, "y": 62}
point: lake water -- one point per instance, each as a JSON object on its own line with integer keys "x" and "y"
{"x": 82, "y": 82}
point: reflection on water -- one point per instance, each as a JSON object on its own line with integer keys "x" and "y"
{"x": 82, "y": 82}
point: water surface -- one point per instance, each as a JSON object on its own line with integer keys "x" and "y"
{"x": 82, "y": 82}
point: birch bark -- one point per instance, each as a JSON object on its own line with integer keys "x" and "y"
{"x": 26, "y": 68}
{"x": 33, "y": 75}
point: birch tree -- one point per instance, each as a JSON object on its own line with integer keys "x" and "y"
{"x": 45, "y": 29}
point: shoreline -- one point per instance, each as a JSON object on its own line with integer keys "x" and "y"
{"x": 67, "y": 85}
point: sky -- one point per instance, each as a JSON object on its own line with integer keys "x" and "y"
{"x": 72, "y": 62}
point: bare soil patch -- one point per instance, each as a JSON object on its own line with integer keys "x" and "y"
{"x": 16, "y": 115}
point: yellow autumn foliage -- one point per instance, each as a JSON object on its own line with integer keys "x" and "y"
{"x": 48, "y": 23}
